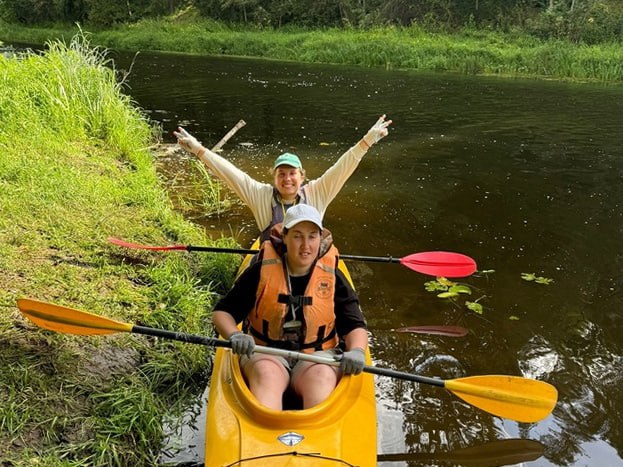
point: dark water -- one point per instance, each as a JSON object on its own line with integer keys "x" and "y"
{"x": 524, "y": 176}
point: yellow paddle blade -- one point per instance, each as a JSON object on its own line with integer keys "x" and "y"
{"x": 67, "y": 320}
{"x": 513, "y": 397}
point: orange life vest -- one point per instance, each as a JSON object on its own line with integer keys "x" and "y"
{"x": 315, "y": 308}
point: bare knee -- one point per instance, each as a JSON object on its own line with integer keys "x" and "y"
{"x": 321, "y": 375}
{"x": 315, "y": 383}
{"x": 268, "y": 379}
{"x": 267, "y": 371}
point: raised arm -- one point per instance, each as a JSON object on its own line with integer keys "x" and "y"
{"x": 323, "y": 190}
{"x": 254, "y": 194}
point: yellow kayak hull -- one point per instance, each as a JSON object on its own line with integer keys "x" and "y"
{"x": 242, "y": 432}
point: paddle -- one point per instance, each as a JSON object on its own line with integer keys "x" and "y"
{"x": 513, "y": 397}
{"x": 451, "y": 331}
{"x": 501, "y": 452}
{"x": 433, "y": 263}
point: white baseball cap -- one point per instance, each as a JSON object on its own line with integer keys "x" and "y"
{"x": 301, "y": 213}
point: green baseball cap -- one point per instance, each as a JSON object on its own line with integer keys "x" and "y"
{"x": 287, "y": 158}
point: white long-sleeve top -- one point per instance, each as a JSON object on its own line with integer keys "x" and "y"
{"x": 258, "y": 195}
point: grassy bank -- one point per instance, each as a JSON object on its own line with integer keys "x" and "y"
{"x": 75, "y": 168}
{"x": 468, "y": 52}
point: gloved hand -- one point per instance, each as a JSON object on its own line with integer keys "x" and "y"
{"x": 187, "y": 141}
{"x": 378, "y": 131}
{"x": 353, "y": 361}
{"x": 242, "y": 344}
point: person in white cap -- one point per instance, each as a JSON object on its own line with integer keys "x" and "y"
{"x": 268, "y": 203}
{"x": 294, "y": 298}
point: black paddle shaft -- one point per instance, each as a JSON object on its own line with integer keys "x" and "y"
{"x": 214, "y": 249}
{"x": 245, "y": 251}
{"x": 180, "y": 336}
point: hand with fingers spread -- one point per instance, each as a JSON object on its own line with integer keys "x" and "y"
{"x": 353, "y": 361}
{"x": 242, "y": 344}
{"x": 188, "y": 141}
{"x": 377, "y": 132}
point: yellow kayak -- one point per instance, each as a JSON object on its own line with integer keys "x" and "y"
{"x": 241, "y": 432}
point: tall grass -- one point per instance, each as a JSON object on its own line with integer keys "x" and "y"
{"x": 75, "y": 169}
{"x": 469, "y": 51}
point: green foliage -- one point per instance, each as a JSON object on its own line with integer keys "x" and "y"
{"x": 588, "y": 21}
{"x": 74, "y": 169}
{"x": 531, "y": 277}
{"x": 126, "y": 417}
{"x": 468, "y": 51}
{"x": 433, "y": 286}
{"x": 212, "y": 201}
{"x": 109, "y": 13}
{"x": 455, "y": 291}
{"x": 34, "y": 11}
{"x": 452, "y": 291}
{"x": 93, "y": 12}
{"x": 475, "y": 307}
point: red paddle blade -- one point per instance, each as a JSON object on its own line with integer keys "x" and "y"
{"x": 452, "y": 331}
{"x": 440, "y": 263}
{"x": 125, "y": 244}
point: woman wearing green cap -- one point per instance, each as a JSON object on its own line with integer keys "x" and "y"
{"x": 270, "y": 202}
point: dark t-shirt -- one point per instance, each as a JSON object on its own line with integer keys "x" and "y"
{"x": 240, "y": 300}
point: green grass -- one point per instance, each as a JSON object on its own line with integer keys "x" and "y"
{"x": 469, "y": 51}
{"x": 75, "y": 168}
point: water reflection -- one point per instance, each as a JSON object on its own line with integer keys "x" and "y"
{"x": 524, "y": 176}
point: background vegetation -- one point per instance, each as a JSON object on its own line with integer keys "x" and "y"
{"x": 579, "y": 21}
{"x": 75, "y": 168}
{"x": 468, "y": 51}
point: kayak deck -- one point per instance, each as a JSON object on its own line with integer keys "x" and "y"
{"x": 242, "y": 432}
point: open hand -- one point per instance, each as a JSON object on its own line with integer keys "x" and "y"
{"x": 187, "y": 141}
{"x": 378, "y": 131}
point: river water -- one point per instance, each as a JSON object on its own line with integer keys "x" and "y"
{"x": 525, "y": 176}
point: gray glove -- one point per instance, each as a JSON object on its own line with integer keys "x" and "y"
{"x": 242, "y": 344}
{"x": 378, "y": 131}
{"x": 353, "y": 361}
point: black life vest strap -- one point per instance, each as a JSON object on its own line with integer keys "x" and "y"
{"x": 298, "y": 300}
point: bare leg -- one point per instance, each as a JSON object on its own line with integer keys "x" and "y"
{"x": 267, "y": 379}
{"x": 314, "y": 383}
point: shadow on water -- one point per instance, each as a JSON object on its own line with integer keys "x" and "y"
{"x": 524, "y": 176}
